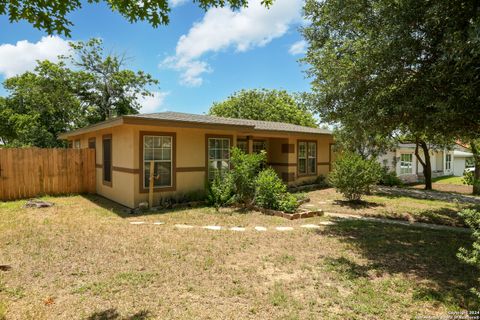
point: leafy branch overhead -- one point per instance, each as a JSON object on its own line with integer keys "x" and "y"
{"x": 51, "y": 16}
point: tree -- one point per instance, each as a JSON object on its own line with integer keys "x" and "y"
{"x": 51, "y": 16}
{"x": 40, "y": 105}
{"x": 264, "y": 104}
{"x": 408, "y": 66}
{"x": 108, "y": 89}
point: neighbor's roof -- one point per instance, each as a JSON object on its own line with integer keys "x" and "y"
{"x": 187, "y": 118}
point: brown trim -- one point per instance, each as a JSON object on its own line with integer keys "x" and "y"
{"x": 307, "y": 174}
{"x": 330, "y": 156}
{"x": 208, "y": 136}
{"x": 98, "y": 166}
{"x": 191, "y": 169}
{"x": 126, "y": 170}
{"x": 173, "y": 187}
{"x": 323, "y": 163}
{"x": 107, "y": 137}
{"x": 282, "y": 164}
{"x": 288, "y": 148}
{"x": 93, "y": 141}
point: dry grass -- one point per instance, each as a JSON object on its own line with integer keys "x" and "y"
{"x": 82, "y": 259}
{"x": 393, "y": 207}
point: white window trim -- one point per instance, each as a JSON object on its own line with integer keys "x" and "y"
{"x": 223, "y": 159}
{"x": 171, "y": 162}
{"x": 411, "y": 164}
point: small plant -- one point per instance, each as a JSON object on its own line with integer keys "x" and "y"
{"x": 389, "y": 178}
{"x": 472, "y": 256}
{"x": 271, "y": 192}
{"x": 288, "y": 203}
{"x": 220, "y": 190}
{"x": 353, "y": 176}
{"x": 269, "y": 188}
{"x": 469, "y": 179}
{"x": 322, "y": 181}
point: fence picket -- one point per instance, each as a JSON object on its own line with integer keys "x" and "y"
{"x": 29, "y": 172}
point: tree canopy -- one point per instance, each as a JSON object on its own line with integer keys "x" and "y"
{"x": 51, "y": 16}
{"x": 264, "y": 104}
{"x": 55, "y": 98}
{"x": 408, "y": 66}
{"x": 108, "y": 89}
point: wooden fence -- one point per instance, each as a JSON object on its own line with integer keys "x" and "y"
{"x": 29, "y": 172}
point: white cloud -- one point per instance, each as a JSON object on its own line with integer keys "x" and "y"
{"x": 222, "y": 28}
{"x": 154, "y": 103}
{"x": 299, "y": 47}
{"x": 177, "y": 3}
{"x": 20, "y": 57}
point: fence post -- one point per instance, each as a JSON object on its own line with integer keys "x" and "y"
{"x": 150, "y": 185}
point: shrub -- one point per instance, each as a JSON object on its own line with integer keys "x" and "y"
{"x": 469, "y": 178}
{"x": 322, "y": 181}
{"x": 245, "y": 168}
{"x": 271, "y": 192}
{"x": 288, "y": 203}
{"x": 472, "y": 256}
{"x": 220, "y": 190}
{"x": 353, "y": 176}
{"x": 389, "y": 178}
{"x": 268, "y": 189}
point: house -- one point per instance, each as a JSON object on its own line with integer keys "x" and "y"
{"x": 445, "y": 162}
{"x": 187, "y": 149}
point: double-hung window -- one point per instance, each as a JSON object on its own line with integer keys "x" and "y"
{"x": 242, "y": 145}
{"x": 218, "y": 156}
{"x": 448, "y": 162}
{"x": 159, "y": 150}
{"x": 307, "y": 157}
{"x": 259, "y": 146}
{"x": 406, "y": 163}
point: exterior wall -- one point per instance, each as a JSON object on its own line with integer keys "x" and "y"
{"x": 122, "y": 160}
{"x": 458, "y": 167}
{"x": 190, "y": 165}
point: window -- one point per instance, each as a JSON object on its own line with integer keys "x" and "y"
{"x": 218, "y": 156}
{"x": 91, "y": 143}
{"x": 406, "y": 163}
{"x": 307, "y": 157}
{"x": 242, "y": 145}
{"x": 159, "y": 150}
{"x": 259, "y": 145}
{"x": 77, "y": 144}
{"x": 448, "y": 162}
{"x": 107, "y": 159}
{"x": 70, "y": 144}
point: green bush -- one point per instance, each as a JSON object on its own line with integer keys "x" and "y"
{"x": 269, "y": 188}
{"x": 271, "y": 192}
{"x": 288, "y": 203}
{"x": 472, "y": 256}
{"x": 322, "y": 181}
{"x": 245, "y": 168}
{"x": 220, "y": 190}
{"x": 353, "y": 176}
{"x": 389, "y": 178}
{"x": 469, "y": 178}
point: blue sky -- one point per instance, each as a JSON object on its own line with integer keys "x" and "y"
{"x": 199, "y": 58}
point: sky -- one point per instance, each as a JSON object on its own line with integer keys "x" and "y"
{"x": 201, "y": 57}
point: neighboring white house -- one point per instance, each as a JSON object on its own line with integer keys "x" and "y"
{"x": 445, "y": 162}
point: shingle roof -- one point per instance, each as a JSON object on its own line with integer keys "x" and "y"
{"x": 253, "y": 124}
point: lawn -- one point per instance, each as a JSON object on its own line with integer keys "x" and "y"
{"x": 392, "y": 206}
{"x": 82, "y": 259}
{"x": 448, "y": 184}
{"x": 449, "y": 180}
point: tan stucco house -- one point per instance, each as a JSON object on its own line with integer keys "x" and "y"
{"x": 189, "y": 148}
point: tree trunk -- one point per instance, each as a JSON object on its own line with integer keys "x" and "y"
{"x": 427, "y": 166}
{"x": 476, "y": 159}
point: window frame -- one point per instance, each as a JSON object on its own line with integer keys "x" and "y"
{"x": 307, "y": 158}
{"x": 77, "y": 144}
{"x": 246, "y": 144}
{"x": 411, "y": 164}
{"x": 173, "y": 157}
{"x": 207, "y": 159}
{"x": 263, "y": 142}
{"x": 108, "y": 183}
{"x": 448, "y": 162}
